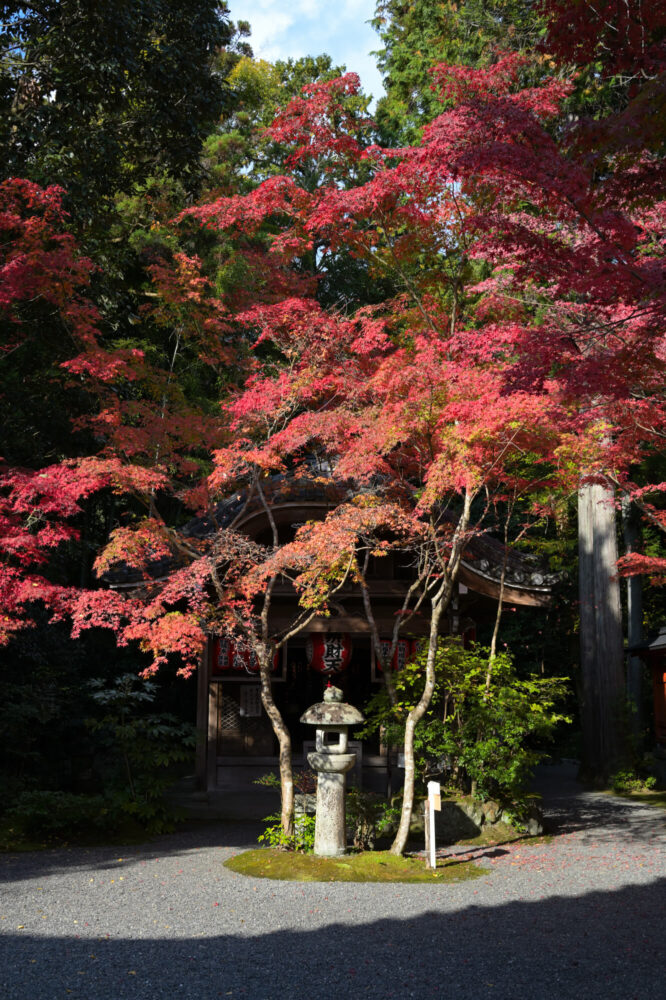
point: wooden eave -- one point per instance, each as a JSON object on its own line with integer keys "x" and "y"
{"x": 473, "y": 572}
{"x": 489, "y": 586}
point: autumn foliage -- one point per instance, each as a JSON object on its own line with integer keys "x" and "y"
{"x": 522, "y": 348}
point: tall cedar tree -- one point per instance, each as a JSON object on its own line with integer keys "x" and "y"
{"x": 419, "y": 35}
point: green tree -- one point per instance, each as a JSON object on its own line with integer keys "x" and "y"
{"x": 112, "y": 102}
{"x": 97, "y": 97}
{"x": 418, "y": 35}
{"x": 241, "y": 152}
{"x": 486, "y": 726}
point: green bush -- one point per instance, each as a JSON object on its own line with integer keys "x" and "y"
{"x": 486, "y": 726}
{"x": 369, "y": 816}
{"x": 629, "y": 781}
{"x": 142, "y": 750}
{"x": 47, "y": 815}
{"x": 302, "y": 839}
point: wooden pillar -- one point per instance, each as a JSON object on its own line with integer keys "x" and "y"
{"x": 208, "y": 693}
{"x": 202, "y": 717}
{"x": 601, "y": 646}
{"x": 214, "y": 693}
{"x": 634, "y": 628}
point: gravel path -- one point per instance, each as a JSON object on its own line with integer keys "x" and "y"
{"x": 582, "y": 916}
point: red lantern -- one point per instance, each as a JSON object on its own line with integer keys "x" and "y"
{"x": 228, "y": 656}
{"x": 223, "y": 656}
{"x": 329, "y": 654}
{"x": 405, "y": 650}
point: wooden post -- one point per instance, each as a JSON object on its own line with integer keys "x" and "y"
{"x": 634, "y": 627}
{"x": 601, "y": 648}
{"x": 214, "y": 691}
{"x": 202, "y": 719}
{"x": 434, "y": 805}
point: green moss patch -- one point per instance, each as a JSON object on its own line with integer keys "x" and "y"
{"x": 490, "y": 836}
{"x": 367, "y": 866}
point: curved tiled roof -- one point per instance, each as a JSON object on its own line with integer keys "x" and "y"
{"x": 482, "y": 566}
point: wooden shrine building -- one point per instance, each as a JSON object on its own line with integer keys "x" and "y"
{"x": 230, "y": 712}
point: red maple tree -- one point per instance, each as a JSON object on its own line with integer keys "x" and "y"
{"x": 558, "y": 352}
{"x": 523, "y": 348}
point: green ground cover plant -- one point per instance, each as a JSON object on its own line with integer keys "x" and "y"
{"x": 366, "y": 866}
{"x": 302, "y": 839}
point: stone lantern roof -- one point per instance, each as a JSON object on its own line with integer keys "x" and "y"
{"x": 332, "y": 711}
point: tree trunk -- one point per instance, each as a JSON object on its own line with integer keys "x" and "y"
{"x": 634, "y": 629}
{"x": 498, "y": 614}
{"x": 414, "y": 717}
{"x": 284, "y": 742}
{"x": 439, "y": 601}
{"x": 601, "y": 649}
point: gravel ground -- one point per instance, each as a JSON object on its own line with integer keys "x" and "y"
{"x": 582, "y": 916}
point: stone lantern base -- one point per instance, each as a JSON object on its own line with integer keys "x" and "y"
{"x": 330, "y": 827}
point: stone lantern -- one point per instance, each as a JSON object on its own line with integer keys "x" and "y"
{"x": 330, "y": 760}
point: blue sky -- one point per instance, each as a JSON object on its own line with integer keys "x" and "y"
{"x": 283, "y": 28}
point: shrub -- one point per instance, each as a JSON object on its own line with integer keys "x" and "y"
{"x": 46, "y": 815}
{"x": 302, "y": 839}
{"x": 485, "y": 728}
{"x": 369, "y": 816}
{"x": 629, "y": 781}
{"x": 142, "y": 749}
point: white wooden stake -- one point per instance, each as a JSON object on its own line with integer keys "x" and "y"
{"x": 431, "y": 822}
{"x": 434, "y": 804}
{"x": 426, "y": 831}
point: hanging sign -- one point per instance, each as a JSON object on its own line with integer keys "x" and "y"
{"x": 250, "y": 700}
{"x": 329, "y": 654}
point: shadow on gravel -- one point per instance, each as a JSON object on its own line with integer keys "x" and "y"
{"x": 600, "y": 945}
{"x": 569, "y": 807}
{"x": 603, "y": 817}
{"x": 191, "y": 837}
